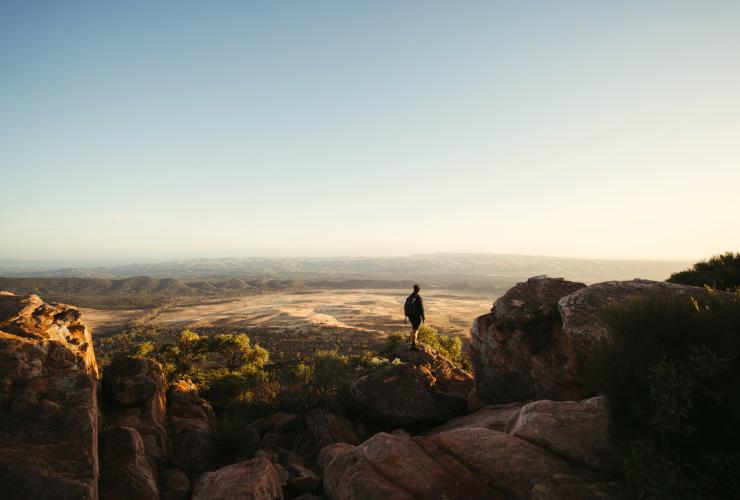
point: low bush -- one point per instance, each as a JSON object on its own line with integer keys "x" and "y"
{"x": 448, "y": 345}
{"x": 721, "y": 272}
{"x": 321, "y": 381}
{"x": 670, "y": 370}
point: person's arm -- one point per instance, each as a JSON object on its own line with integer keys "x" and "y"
{"x": 421, "y": 309}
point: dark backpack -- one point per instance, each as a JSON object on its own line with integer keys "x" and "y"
{"x": 409, "y": 308}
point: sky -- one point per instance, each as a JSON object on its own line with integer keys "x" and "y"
{"x": 155, "y": 130}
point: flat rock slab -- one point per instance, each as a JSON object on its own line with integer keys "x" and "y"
{"x": 253, "y": 479}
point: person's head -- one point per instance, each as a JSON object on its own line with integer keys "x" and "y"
{"x": 417, "y": 288}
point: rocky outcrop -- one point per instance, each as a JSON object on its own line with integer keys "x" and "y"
{"x": 517, "y": 350}
{"x": 126, "y": 471}
{"x": 253, "y": 479}
{"x": 191, "y": 427}
{"x": 533, "y": 343}
{"x": 48, "y": 401}
{"x": 325, "y": 428}
{"x": 467, "y": 458}
{"x": 579, "y": 312}
{"x": 424, "y": 388}
{"x": 134, "y": 396}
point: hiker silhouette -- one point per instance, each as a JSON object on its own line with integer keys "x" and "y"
{"x": 414, "y": 311}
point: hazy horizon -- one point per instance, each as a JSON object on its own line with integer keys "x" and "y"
{"x": 145, "y": 131}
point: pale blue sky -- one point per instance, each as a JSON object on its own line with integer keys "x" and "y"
{"x": 138, "y": 130}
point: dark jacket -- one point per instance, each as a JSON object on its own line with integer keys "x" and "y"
{"x": 418, "y": 307}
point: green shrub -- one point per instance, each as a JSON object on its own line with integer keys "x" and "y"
{"x": 721, "y": 272}
{"x": 670, "y": 370}
{"x": 448, "y": 345}
{"x": 321, "y": 381}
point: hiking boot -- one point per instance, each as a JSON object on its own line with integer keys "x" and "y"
{"x": 414, "y": 348}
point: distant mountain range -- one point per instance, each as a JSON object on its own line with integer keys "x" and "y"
{"x": 446, "y": 267}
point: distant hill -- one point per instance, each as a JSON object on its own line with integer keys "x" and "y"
{"x": 467, "y": 269}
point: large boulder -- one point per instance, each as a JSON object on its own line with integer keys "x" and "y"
{"x": 48, "y": 401}
{"x": 579, "y": 312}
{"x": 516, "y": 349}
{"x": 422, "y": 388}
{"x": 575, "y": 431}
{"x": 466, "y": 458}
{"x": 327, "y": 428}
{"x": 329, "y": 453}
{"x": 253, "y": 479}
{"x": 394, "y": 466}
{"x": 534, "y": 342}
{"x": 494, "y": 417}
{"x": 191, "y": 427}
{"x": 175, "y": 485}
{"x": 134, "y": 396}
{"x": 126, "y": 471}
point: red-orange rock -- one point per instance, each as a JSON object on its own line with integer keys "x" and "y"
{"x": 191, "y": 427}
{"x": 126, "y": 472}
{"x": 575, "y": 431}
{"x": 466, "y": 458}
{"x": 327, "y": 428}
{"x": 253, "y": 479}
{"x": 48, "y": 401}
{"x": 425, "y": 388}
{"x": 134, "y": 396}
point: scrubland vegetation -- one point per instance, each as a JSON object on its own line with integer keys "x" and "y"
{"x": 237, "y": 376}
{"x": 671, "y": 372}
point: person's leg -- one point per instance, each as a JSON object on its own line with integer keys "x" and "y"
{"x": 414, "y": 332}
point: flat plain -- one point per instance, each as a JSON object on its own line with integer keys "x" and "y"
{"x": 291, "y": 323}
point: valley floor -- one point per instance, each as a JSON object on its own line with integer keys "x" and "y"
{"x": 290, "y": 323}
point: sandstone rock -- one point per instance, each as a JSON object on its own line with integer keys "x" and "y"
{"x": 191, "y": 427}
{"x": 329, "y": 453}
{"x": 576, "y": 431}
{"x": 277, "y": 422}
{"x": 470, "y": 460}
{"x": 579, "y": 311}
{"x": 253, "y": 479}
{"x": 516, "y": 349}
{"x": 326, "y": 428}
{"x": 175, "y": 485}
{"x": 30, "y": 317}
{"x": 512, "y": 465}
{"x": 134, "y": 396}
{"x": 282, "y": 474}
{"x": 425, "y": 389}
{"x": 48, "y": 401}
{"x": 302, "y": 480}
{"x": 579, "y": 487}
{"x": 387, "y": 466}
{"x": 533, "y": 343}
{"x": 494, "y": 417}
{"x": 126, "y": 472}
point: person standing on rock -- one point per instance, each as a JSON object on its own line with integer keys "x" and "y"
{"x": 414, "y": 311}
